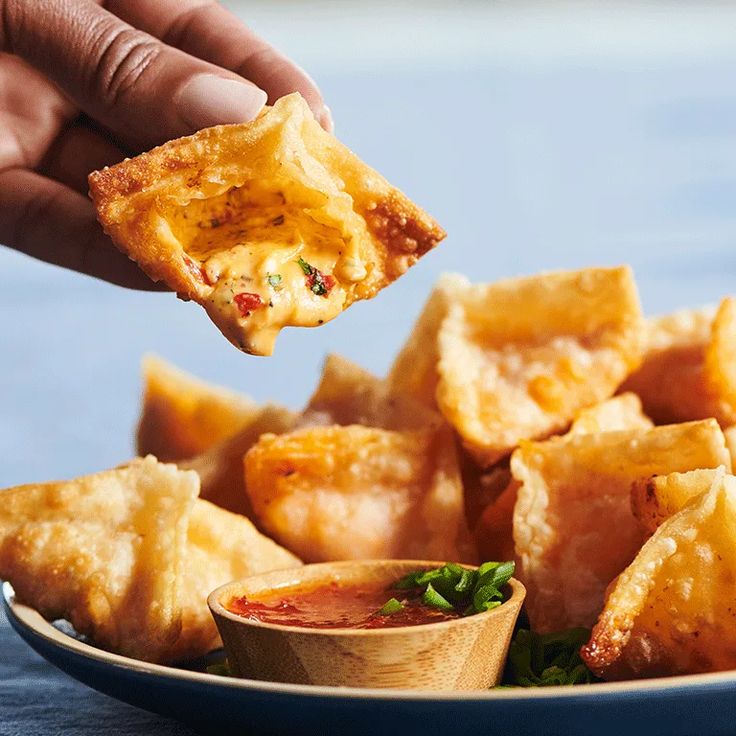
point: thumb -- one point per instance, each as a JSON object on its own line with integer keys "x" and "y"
{"x": 143, "y": 90}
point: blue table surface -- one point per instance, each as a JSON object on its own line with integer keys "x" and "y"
{"x": 526, "y": 169}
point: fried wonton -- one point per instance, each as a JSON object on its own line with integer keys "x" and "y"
{"x": 657, "y": 498}
{"x": 672, "y": 610}
{"x": 573, "y": 526}
{"x": 348, "y": 394}
{"x": 620, "y": 412}
{"x": 220, "y": 467}
{"x": 482, "y": 486}
{"x": 354, "y": 492}
{"x": 265, "y": 224}
{"x": 730, "y": 434}
{"x": 183, "y": 416}
{"x": 414, "y": 370}
{"x": 689, "y": 368}
{"x": 105, "y": 551}
{"x": 519, "y": 358}
{"x": 220, "y": 547}
{"x": 494, "y": 530}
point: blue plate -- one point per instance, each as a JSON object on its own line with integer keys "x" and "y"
{"x": 697, "y": 704}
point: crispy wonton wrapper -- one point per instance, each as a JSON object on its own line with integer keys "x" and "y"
{"x": 265, "y": 224}
{"x": 573, "y": 527}
{"x": 730, "y": 434}
{"x": 657, "y": 498}
{"x": 183, "y": 416}
{"x": 106, "y": 551}
{"x": 349, "y": 394}
{"x": 129, "y": 556}
{"x": 220, "y": 467}
{"x": 689, "y": 369}
{"x": 354, "y": 492}
{"x": 519, "y": 358}
{"x": 621, "y": 412}
{"x": 672, "y": 610}
{"x": 494, "y": 530}
{"x": 221, "y": 547}
{"x": 414, "y": 370}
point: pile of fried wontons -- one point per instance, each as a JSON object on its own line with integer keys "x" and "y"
{"x": 538, "y": 418}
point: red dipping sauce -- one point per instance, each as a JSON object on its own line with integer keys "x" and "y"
{"x": 338, "y": 606}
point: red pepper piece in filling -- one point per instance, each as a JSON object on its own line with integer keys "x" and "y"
{"x": 317, "y": 282}
{"x": 247, "y": 302}
{"x": 320, "y": 283}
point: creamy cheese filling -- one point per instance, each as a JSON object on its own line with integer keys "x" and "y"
{"x": 266, "y": 263}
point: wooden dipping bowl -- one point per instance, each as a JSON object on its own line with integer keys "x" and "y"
{"x": 466, "y": 653}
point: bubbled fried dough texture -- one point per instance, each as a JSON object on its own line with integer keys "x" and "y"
{"x": 573, "y": 511}
{"x": 672, "y": 611}
{"x": 278, "y": 181}
{"x": 688, "y": 370}
{"x": 519, "y": 358}
{"x": 354, "y": 492}
{"x": 220, "y": 547}
{"x": 182, "y": 416}
{"x": 105, "y": 552}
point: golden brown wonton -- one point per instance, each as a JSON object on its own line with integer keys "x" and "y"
{"x": 354, "y": 492}
{"x": 105, "y": 551}
{"x": 349, "y": 394}
{"x": 573, "y": 511}
{"x": 620, "y": 412}
{"x": 657, "y": 498}
{"x": 265, "y": 224}
{"x": 183, "y": 416}
{"x": 689, "y": 369}
{"x": 220, "y": 467}
{"x": 129, "y": 556}
{"x": 519, "y": 358}
{"x": 730, "y": 434}
{"x": 414, "y": 370}
{"x": 672, "y": 610}
{"x": 220, "y": 547}
{"x": 494, "y": 530}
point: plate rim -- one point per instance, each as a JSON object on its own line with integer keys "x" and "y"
{"x": 27, "y": 618}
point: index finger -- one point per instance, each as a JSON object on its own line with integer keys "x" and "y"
{"x": 205, "y": 29}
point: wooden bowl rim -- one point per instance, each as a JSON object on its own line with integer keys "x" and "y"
{"x": 518, "y": 593}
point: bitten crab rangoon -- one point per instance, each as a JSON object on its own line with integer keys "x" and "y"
{"x": 265, "y": 224}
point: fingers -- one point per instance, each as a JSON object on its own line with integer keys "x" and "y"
{"x": 77, "y": 150}
{"x": 135, "y": 85}
{"x": 205, "y": 29}
{"x": 49, "y": 221}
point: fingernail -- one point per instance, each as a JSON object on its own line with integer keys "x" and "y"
{"x": 207, "y": 100}
{"x": 325, "y": 119}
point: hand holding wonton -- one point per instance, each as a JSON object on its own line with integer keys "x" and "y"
{"x": 132, "y": 81}
{"x": 265, "y": 224}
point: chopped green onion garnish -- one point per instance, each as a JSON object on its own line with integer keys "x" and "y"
{"x": 274, "y": 280}
{"x": 541, "y": 660}
{"x": 305, "y": 266}
{"x": 453, "y": 587}
{"x": 220, "y": 668}
{"x": 467, "y": 579}
{"x": 432, "y": 598}
{"x": 389, "y": 607}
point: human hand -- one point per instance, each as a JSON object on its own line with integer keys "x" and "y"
{"x": 82, "y": 87}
